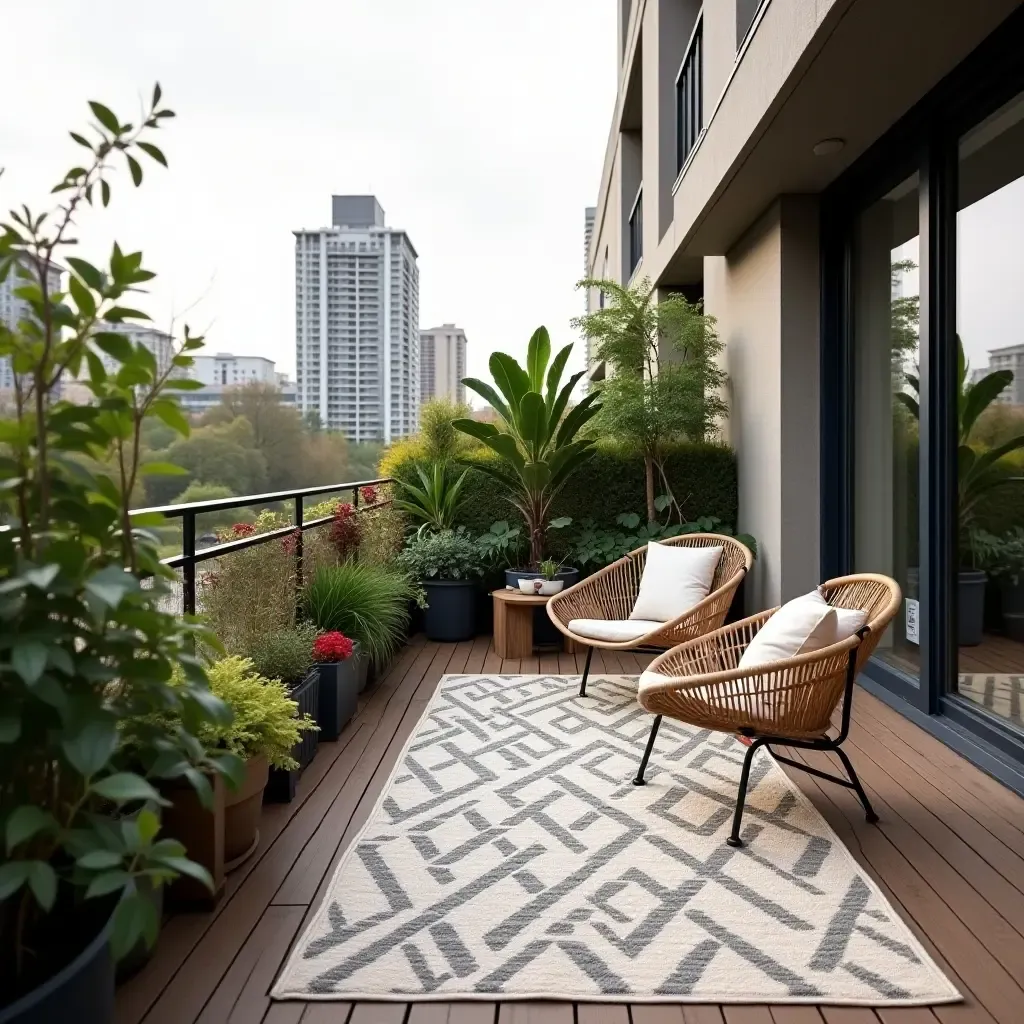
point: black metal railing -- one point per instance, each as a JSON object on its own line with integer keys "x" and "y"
{"x": 191, "y": 555}
{"x": 690, "y": 95}
{"x": 636, "y": 231}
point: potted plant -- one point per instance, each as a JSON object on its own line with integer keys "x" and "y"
{"x": 263, "y": 733}
{"x": 368, "y": 603}
{"x": 287, "y": 655}
{"x": 435, "y": 503}
{"x": 85, "y": 649}
{"x": 342, "y": 677}
{"x": 1002, "y": 557}
{"x": 979, "y": 473}
{"x": 447, "y": 566}
{"x": 537, "y": 443}
{"x": 546, "y": 584}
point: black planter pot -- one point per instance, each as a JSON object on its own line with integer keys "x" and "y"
{"x": 450, "y": 614}
{"x": 82, "y": 992}
{"x": 544, "y": 632}
{"x": 281, "y": 787}
{"x": 340, "y": 684}
{"x": 970, "y": 607}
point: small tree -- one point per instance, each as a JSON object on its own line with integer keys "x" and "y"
{"x": 664, "y": 382}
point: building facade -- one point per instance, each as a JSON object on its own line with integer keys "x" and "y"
{"x": 160, "y": 343}
{"x": 228, "y": 370}
{"x": 842, "y": 183}
{"x": 443, "y": 363}
{"x": 1009, "y": 357}
{"x": 357, "y": 323}
{"x": 13, "y": 309}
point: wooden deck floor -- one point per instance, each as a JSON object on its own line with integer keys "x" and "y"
{"x": 948, "y": 853}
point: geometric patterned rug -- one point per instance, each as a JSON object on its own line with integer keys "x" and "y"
{"x": 509, "y": 856}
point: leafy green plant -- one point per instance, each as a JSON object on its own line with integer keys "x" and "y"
{"x": 85, "y": 648}
{"x": 265, "y": 718}
{"x": 501, "y": 544}
{"x": 435, "y": 503}
{"x": 666, "y": 381}
{"x": 284, "y": 654}
{"x": 442, "y": 442}
{"x": 368, "y": 603}
{"x": 1002, "y": 556}
{"x": 449, "y": 555}
{"x": 549, "y": 568}
{"x": 979, "y": 470}
{"x": 537, "y": 443}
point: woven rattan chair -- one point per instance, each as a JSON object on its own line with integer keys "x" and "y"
{"x": 789, "y": 703}
{"x": 611, "y": 593}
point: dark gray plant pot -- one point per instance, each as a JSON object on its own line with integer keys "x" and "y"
{"x": 281, "y": 787}
{"x": 362, "y": 660}
{"x": 450, "y": 614}
{"x": 340, "y": 684}
{"x": 1013, "y": 626}
{"x": 544, "y": 631}
{"x": 1012, "y": 597}
{"x": 82, "y": 992}
{"x": 970, "y": 607}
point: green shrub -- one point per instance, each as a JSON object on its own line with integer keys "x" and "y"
{"x": 265, "y": 720}
{"x": 284, "y": 654}
{"x": 702, "y": 477}
{"x": 368, "y": 603}
{"x": 450, "y": 555}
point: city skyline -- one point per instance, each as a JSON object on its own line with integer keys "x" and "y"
{"x": 488, "y": 181}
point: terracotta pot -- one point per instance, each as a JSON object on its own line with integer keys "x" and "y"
{"x": 242, "y": 812}
{"x": 201, "y": 830}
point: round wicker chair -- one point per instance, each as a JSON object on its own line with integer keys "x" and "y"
{"x": 612, "y": 591}
{"x": 789, "y": 702}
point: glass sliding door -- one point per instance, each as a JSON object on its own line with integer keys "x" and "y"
{"x": 989, "y": 577}
{"x": 884, "y": 342}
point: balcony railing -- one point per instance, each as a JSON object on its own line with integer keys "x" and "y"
{"x": 636, "y": 231}
{"x": 191, "y": 555}
{"x": 690, "y": 94}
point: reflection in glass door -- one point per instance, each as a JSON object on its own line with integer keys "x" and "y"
{"x": 990, "y": 325}
{"x": 885, "y": 342}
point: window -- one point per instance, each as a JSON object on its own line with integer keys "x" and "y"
{"x": 746, "y": 12}
{"x": 636, "y": 231}
{"x": 690, "y": 95}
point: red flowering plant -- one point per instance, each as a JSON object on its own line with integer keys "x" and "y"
{"x": 345, "y": 532}
{"x": 237, "y": 531}
{"x": 369, "y": 493}
{"x": 333, "y": 646}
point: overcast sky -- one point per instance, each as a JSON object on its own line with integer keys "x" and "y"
{"x": 481, "y": 128}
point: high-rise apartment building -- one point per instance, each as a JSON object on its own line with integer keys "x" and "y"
{"x": 357, "y": 323}
{"x": 13, "y": 309}
{"x": 443, "y": 363}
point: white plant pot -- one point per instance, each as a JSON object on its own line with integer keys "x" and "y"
{"x": 539, "y": 585}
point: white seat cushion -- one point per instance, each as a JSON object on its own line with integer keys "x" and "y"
{"x": 613, "y": 630}
{"x": 799, "y": 627}
{"x": 675, "y": 579}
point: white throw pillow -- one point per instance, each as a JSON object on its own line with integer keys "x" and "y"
{"x": 848, "y": 620}
{"x": 675, "y": 579}
{"x": 799, "y": 627}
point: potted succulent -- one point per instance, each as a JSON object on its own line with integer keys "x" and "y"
{"x": 287, "y": 655}
{"x": 547, "y": 583}
{"x": 447, "y": 566}
{"x": 537, "y": 443}
{"x": 263, "y": 733}
{"x": 86, "y": 651}
{"x": 980, "y": 471}
{"x": 342, "y": 677}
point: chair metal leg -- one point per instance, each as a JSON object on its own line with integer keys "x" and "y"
{"x": 869, "y": 811}
{"x": 741, "y": 796}
{"x": 640, "y": 780}
{"x": 586, "y": 672}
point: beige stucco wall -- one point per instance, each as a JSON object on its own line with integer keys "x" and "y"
{"x": 764, "y": 293}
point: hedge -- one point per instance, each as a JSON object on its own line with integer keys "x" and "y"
{"x": 702, "y": 476}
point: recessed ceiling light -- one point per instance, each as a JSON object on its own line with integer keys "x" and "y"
{"x": 828, "y": 146}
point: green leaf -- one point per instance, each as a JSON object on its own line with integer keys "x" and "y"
{"x": 512, "y": 380}
{"x": 117, "y": 345}
{"x": 105, "y": 116}
{"x": 25, "y": 822}
{"x": 161, "y": 469}
{"x": 104, "y": 192}
{"x": 42, "y": 880}
{"x": 555, "y": 375}
{"x": 87, "y": 272}
{"x": 184, "y": 866}
{"x": 99, "y": 860}
{"x": 136, "y": 168}
{"x": 28, "y": 659}
{"x": 41, "y": 576}
{"x": 81, "y": 140}
{"x": 108, "y": 882}
{"x": 157, "y": 93}
{"x": 110, "y": 585}
{"x": 134, "y": 918}
{"x": 13, "y": 876}
{"x": 561, "y": 522}
{"x": 82, "y": 296}
{"x": 170, "y": 412}
{"x": 489, "y": 395}
{"x": 124, "y": 786}
{"x": 533, "y": 422}
{"x": 184, "y": 383}
{"x": 538, "y": 354}
{"x": 148, "y": 825}
{"x": 89, "y": 750}
{"x": 151, "y": 150}
{"x": 10, "y": 727}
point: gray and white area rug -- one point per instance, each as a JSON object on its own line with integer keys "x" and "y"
{"x": 510, "y": 857}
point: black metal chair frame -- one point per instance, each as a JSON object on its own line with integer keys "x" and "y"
{"x": 633, "y": 650}
{"x": 828, "y": 744}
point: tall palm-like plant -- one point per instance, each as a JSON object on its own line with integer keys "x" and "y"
{"x": 537, "y": 440}
{"x": 435, "y": 502}
{"x": 979, "y": 471}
